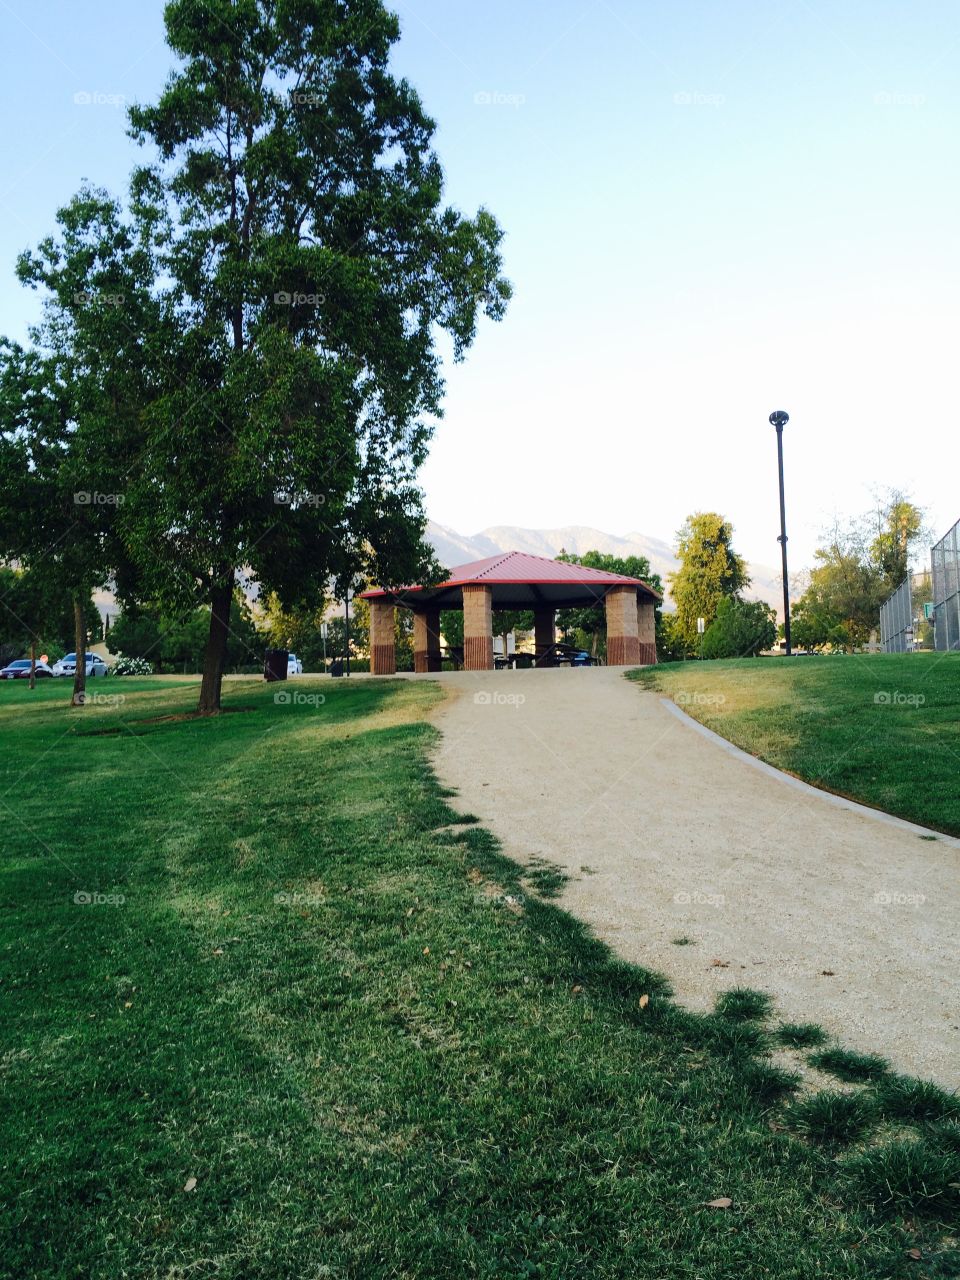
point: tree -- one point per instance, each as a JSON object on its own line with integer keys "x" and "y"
{"x": 312, "y": 262}
{"x": 179, "y": 643}
{"x": 855, "y": 570}
{"x": 740, "y": 629}
{"x": 901, "y": 526}
{"x": 69, "y": 405}
{"x": 709, "y": 570}
{"x": 590, "y": 620}
{"x": 36, "y": 614}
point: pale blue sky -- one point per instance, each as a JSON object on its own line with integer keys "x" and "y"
{"x": 712, "y": 210}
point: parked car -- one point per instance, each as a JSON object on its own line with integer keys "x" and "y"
{"x": 294, "y": 665}
{"x": 67, "y": 666}
{"x": 20, "y": 670}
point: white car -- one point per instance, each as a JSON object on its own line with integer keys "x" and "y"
{"x": 294, "y": 665}
{"x": 67, "y": 666}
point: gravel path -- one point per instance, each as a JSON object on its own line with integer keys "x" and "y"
{"x": 846, "y": 919}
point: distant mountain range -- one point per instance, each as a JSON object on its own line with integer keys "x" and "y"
{"x": 454, "y": 548}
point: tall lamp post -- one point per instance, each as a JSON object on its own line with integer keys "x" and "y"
{"x": 779, "y": 419}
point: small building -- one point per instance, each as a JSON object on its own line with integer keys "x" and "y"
{"x": 513, "y": 580}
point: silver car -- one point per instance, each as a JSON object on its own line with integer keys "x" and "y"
{"x": 67, "y": 666}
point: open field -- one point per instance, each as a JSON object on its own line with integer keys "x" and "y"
{"x": 273, "y": 1008}
{"x": 883, "y": 729}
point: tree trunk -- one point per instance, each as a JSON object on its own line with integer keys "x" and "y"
{"x": 221, "y": 598}
{"x": 33, "y": 664}
{"x": 80, "y": 644}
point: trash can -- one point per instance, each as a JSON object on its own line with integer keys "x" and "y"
{"x": 275, "y": 664}
{"x": 336, "y": 668}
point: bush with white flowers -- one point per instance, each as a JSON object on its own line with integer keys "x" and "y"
{"x": 132, "y": 667}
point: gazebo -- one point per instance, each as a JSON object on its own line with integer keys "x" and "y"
{"x": 513, "y": 580}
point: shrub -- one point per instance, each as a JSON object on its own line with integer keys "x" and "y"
{"x": 131, "y": 667}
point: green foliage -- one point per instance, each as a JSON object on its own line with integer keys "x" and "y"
{"x": 36, "y": 610}
{"x": 801, "y": 1035}
{"x": 742, "y": 1004}
{"x": 131, "y": 667}
{"x": 709, "y": 571}
{"x": 845, "y": 1064}
{"x": 904, "y": 1098}
{"x": 854, "y": 573}
{"x": 587, "y": 626}
{"x": 908, "y": 1176}
{"x": 832, "y": 1118}
{"x": 740, "y": 629}
{"x": 252, "y": 368}
{"x": 178, "y": 643}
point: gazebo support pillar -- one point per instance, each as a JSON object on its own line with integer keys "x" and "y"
{"x": 544, "y": 630}
{"x": 623, "y": 642}
{"x": 646, "y": 629}
{"x": 426, "y": 640}
{"x": 478, "y": 628}
{"x": 383, "y": 644}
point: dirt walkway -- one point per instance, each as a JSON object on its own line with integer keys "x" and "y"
{"x": 845, "y": 919}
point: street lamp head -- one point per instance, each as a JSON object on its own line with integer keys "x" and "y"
{"x": 779, "y": 418}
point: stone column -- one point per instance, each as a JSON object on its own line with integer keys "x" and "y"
{"x": 478, "y": 628}
{"x": 646, "y": 629}
{"x": 383, "y": 646}
{"x": 426, "y": 640}
{"x": 623, "y": 643}
{"x": 544, "y": 629}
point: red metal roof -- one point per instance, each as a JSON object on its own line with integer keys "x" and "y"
{"x": 518, "y": 567}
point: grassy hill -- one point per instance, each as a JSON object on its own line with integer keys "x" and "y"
{"x": 272, "y": 1008}
{"x": 881, "y": 728}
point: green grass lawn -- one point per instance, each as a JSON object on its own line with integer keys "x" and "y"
{"x": 271, "y": 1009}
{"x": 882, "y": 728}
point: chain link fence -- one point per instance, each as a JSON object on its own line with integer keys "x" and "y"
{"x": 896, "y": 620}
{"x": 946, "y": 590}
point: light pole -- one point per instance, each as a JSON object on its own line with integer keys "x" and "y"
{"x": 779, "y": 419}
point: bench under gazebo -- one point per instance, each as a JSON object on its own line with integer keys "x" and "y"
{"x": 513, "y": 580}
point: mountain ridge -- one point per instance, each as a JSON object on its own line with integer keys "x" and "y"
{"x": 453, "y": 548}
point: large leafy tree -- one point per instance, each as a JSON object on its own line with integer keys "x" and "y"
{"x": 590, "y": 621}
{"x": 709, "y": 571}
{"x": 312, "y": 262}
{"x": 859, "y": 563}
{"x": 70, "y": 404}
{"x": 740, "y": 629}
